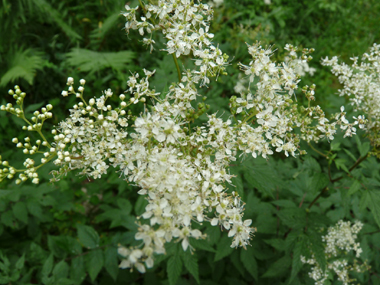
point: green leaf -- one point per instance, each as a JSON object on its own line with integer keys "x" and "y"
{"x": 235, "y": 259}
{"x": 88, "y": 236}
{"x": 20, "y": 262}
{"x": 111, "y": 262}
{"x": 278, "y": 268}
{"x": 363, "y": 148}
{"x": 311, "y": 165}
{"x": 48, "y": 266}
{"x": 92, "y": 61}
{"x": 335, "y": 146}
{"x": 107, "y": 25}
{"x": 278, "y": 244}
{"x": 191, "y": 264}
{"x": 56, "y": 16}
{"x": 140, "y": 205}
{"x": 261, "y": 177}
{"x": 284, "y": 203}
{"x": 61, "y": 270}
{"x": 213, "y": 234}
{"x": 24, "y": 64}
{"x": 20, "y": 212}
{"x": 340, "y": 164}
{"x": 201, "y": 244}
{"x": 349, "y": 153}
{"x": 35, "y": 209}
{"x": 124, "y": 205}
{"x": 33, "y": 107}
{"x": 296, "y": 263}
{"x": 61, "y": 246}
{"x": 354, "y": 188}
{"x": 77, "y": 270}
{"x": 237, "y": 183}
{"x": 374, "y": 205}
{"x": 7, "y": 219}
{"x": 317, "y": 247}
{"x": 364, "y": 200}
{"x": 174, "y": 269}
{"x": 223, "y": 248}
{"x": 94, "y": 263}
{"x": 293, "y": 217}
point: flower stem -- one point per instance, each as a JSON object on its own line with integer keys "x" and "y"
{"x": 177, "y": 66}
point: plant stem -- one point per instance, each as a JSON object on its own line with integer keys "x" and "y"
{"x": 317, "y": 151}
{"x": 177, "y": 66}
{"x": 316, "y": 198}
{"x": 360, "y": 160}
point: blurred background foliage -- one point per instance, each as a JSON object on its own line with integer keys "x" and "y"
{"x": 68, "y": 232}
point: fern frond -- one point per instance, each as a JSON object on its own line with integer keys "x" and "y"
{"x": 92, "y": 61}
{"x": 56, "y": 16}
{"x": 108, "y": 24}
{"x": 24, "y": 64}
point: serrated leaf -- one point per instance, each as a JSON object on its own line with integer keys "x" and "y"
{"x": 223, "y": 248}
{"x": 35, "y": 209}
{"x": 111, "y": 262}
{"x": 94, "y": 263}
{"x": 191, "y": 264}
{"x": 278, "y": 268}
{"x": 317, "y": 247}
{"x": 374, "y": 205}
{"x": 24, "y": 64}
{"x": 363, "y": 148}
{"x": 7, "y": 218}
{"x": 293, "y": 217}
{"x": 48, "y": 266}
{"x": 261, "y": 177}
{"x": 61, "y": 246}
{"x": 124, "y": 205}
{"x": 201, "y": 244}
{"x": 108, "y": 24}
{"x": 20, "y": 212}
{"x": 364, "y": 200}
{"x": 296, "y": 263}
{"x": 77, "y": 270}
{"x": 335, "y": 146}
{"x": 61, "y": 270}
{"x": 20, "y": 262}
{"x": 213, "y": 234}
{"x": 249, "y": 261}
{"x": 174, "y": 269}
{"x": 92, "y": 61}
{"x": 88, "y": 236}
{"x": 235, "y": 259}
{"x": 318, "y": 182}
{"x": 237, "y": 183}
{"x": 311, "y": 165}
{"x": 278, "y": 244}
{"x": 140, "y": 205}
{"x": 349, "y": 153}
{"x": 340, "y": 164}
{"x": 354, "y": 188}
{"x": 56, "y": 16}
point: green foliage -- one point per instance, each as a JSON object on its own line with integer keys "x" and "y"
{"x": 92, "y": 61}
{"x": 68, "y": 232}
{"x": 24, "y": 64}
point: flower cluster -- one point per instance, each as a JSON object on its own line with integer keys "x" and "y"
{"x": 185, "y": 25}
{"x": 181, "y": 168}
{"x": 339, "y": 242}
{"x": 361, "y": 82}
